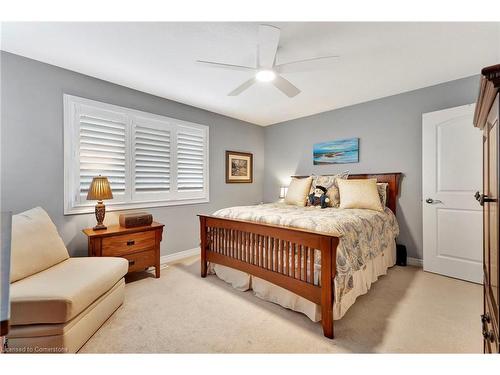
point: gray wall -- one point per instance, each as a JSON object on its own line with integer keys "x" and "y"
{"x": 390, "y": 132}
{"x": 32, "y": 149}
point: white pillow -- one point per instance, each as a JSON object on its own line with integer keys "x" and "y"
{"x": 36, "y": 245}
{"x": 298, "y": 191}
{"x": 359, "y": 194}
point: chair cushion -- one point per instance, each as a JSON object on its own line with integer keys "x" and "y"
{"x": 36, "y": 245}
{"x": 61, "y": 292}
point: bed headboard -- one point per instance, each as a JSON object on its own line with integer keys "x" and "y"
{"x": 392, "y": 179}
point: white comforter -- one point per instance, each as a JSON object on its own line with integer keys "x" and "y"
{"x": 363, "y": 233}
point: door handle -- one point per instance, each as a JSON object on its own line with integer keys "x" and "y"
{"x": 483, "y": 198}
{"x": 488, "y": 335}
{"x": 433, "y": 201}
{"x": 485, "y": 318}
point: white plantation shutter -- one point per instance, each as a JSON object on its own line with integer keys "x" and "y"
{"x": 191, "y": 159}
{"x": 150, "y": 160}
{"x": 102, "y": 149}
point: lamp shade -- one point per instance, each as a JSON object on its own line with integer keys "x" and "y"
{"x": 99, "y": 189}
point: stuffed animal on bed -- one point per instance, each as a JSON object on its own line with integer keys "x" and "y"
{"x": 319, "y": 197}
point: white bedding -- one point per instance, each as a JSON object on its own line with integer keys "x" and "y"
{"x": 366, "y": 249}
{"x": 363, "y": 233}
{"x": 362, "y": 281}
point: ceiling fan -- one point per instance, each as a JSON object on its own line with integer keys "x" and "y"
{"x": 266, "y": 70}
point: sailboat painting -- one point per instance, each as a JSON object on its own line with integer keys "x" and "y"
{"x": 336, "y": 152}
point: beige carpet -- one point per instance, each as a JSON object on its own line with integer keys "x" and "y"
{"x": 406, "y": 311}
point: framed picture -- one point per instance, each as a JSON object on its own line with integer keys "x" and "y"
{"x": 239, "y": 167}
{"x": 336, "y": 152}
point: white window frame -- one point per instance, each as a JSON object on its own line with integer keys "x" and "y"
{"x": 75, "y": 204}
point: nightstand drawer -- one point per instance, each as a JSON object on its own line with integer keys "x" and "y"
{"x": 139, "y": 245}
{"x": 140, "y": 261}
{"x": 128, "y": 243}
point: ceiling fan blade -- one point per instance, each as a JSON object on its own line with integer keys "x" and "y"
{"x": 212, "y": 64}
{"x": 285, "y": 86}
{"x": 269, "y": 37}
{"x": 245, "y": 85}
{"x": 315, "y": 63}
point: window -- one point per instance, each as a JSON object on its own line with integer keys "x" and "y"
{"x": 150, "y": 160}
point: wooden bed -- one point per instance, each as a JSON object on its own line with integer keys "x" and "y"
{"x": 256, "y": 248}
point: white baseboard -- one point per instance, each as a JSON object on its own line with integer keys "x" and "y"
{"x": 179, "y": 255}
{"x": 415, "y": 262}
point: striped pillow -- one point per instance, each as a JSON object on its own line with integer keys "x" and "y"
{"x": 382, "y": 192}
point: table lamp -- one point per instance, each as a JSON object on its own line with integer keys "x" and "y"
{"x": 98, "y": 191}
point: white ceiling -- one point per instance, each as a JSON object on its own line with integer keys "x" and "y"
{"x": 377, "y": 60}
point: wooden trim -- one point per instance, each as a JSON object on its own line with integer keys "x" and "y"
{"x": 247, "y": 154}
{"x": 4, "y": 328}
{"x": 203, "y": 246}
{"x": 492, "y": 73}
{"x": 158, "y": 238}
{"x": 491, "y": 242}
{"x": 488, "y": 90}
{"x": 328, "y": 262}
{"x": 268, "y": 229}
{"x": 113, "y": 230}
{"x": 393, "y": 179}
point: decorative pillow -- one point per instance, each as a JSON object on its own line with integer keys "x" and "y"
{"x": 330, "y": 183}
{"x": 359, "y": 194}
{"x": 298, "y": 191}
{"x": 382, "y": 192}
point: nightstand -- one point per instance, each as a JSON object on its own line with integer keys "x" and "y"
{"x": 140, "y": 245}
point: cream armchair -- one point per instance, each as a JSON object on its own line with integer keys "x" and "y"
{"x": 57, "y": 302}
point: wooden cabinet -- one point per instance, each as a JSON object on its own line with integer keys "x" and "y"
{"x": 140, "y": 245}
{"x": 486, "y": 119}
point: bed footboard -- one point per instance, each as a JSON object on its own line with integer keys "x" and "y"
{"x": 281, "y": 255}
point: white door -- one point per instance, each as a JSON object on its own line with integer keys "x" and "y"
{"x": 452, "y": 173}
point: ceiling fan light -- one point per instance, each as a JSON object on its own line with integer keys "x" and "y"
{"x": 265, "y": 75}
